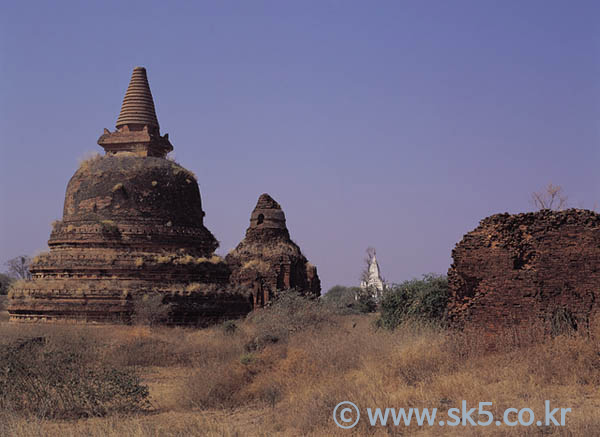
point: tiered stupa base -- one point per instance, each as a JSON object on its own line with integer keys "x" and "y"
{"x": 113, "y": 301}
{"x": 132, "y": 226}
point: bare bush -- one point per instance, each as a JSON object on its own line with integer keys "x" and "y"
{"x": 551, "y": 197}
{"x": 62, "y": 384}
{"x": 18, "y": 267}
{"x": 216, "y": 386}
{"x": 150, "y": 309}
{"x": 289, "y": 312}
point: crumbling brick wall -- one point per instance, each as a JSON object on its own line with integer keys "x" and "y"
{"x": 527, "y": 268}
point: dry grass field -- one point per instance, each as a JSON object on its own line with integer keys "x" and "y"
{"x": 282, "y": 371}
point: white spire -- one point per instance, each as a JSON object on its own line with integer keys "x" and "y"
{"x": 374, "y": 284}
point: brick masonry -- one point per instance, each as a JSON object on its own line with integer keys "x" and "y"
{"x": 515, "y": 270}
{"x": 267, "y": 260}
{"x": 133, "y": 224}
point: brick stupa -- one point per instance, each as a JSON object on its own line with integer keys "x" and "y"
{"x": 267, "y": 260}
{"x": 132, "y": 224}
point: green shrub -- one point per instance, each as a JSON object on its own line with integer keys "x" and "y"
{"x": 260, "y": 341}
{"x": 289, "y": 312}
{"x": 3, "y": 313}
{"x": 5, "y": 282}
{"x": 229, "y": 327}
{"x": 421, "y": 299}
{"x": 63, "y": 383}
{"x": 349, "y": 300}
{"x": 110, "y": 229}
{"x": 247, "y": 359}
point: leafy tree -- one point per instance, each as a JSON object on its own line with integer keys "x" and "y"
{"x": 422, "y": 299}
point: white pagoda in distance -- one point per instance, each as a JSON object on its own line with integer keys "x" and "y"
{"x": 372, "y": 283}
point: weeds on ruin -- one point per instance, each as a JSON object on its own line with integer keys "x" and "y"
{"x": 256, "y": 264}
{"x": 110, "y": 229}
{"x": 183, "y": 259}
{"x": 89, "y": 159}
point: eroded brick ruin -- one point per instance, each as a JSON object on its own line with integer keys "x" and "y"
{"x": 267, "y": 260}
{"x": 133, "y": 224}
{"x": 515, "y": 270}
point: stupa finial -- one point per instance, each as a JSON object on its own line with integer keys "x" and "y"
{"x": 138, "y": 105}
{"x": 138, "y": 130}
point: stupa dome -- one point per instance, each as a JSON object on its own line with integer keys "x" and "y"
{"x": 153, "y": 200}
{"x": 133, "y": 188}
{"x": 132, "y": 224}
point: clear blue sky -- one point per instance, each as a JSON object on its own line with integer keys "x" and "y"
{"x": 397, "y": 125}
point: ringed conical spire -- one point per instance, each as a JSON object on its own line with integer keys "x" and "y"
{"x": 137, "y": 131}
{"x": 138, "y": 105}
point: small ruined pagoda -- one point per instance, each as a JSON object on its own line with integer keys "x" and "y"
{"x": 132, "y": 224}
{"x": 267, "y": 260}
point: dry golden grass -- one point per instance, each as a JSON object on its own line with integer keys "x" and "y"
{"x": 88, "y": 159}
{"x": 177, "y": 258}
{"x": 219, "y": 382}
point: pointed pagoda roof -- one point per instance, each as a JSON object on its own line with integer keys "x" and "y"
{"x": 137, "y": 131}
{"x": 138, "y": 105}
